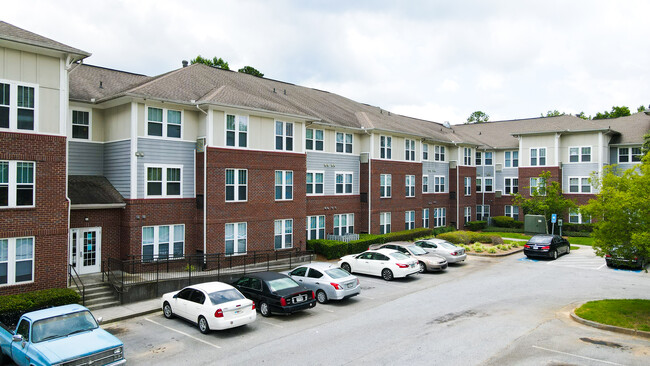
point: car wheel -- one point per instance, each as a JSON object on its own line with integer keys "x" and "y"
{"x": 387, "y": 274}
{"x": 321, "y": 296}
{"x": 568, "y": 249}
{"x": 609, "y": 264}
{"x": 264, "y": 309}
{"x": 167, "y": 310}
{"x": 555, "y": 254}
{"x": 423, "y": 267}
{"x": 203, "y": 325}
{"x": 346, "y": 267}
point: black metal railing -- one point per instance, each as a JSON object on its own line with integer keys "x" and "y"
{"x": 73, "y": 277}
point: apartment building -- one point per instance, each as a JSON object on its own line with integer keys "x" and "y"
{"x": 204, "y": 160}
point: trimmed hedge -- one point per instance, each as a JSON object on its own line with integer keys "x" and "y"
{"x": 503, "y": 229}
{"x": 576, "y": 233}
{"x": 13, "y": 306}
{"x": 583, "y": 228}
{"x": 477, "y": 225}
{"x": 506, "y": 222}
{"x": 468, "y": 237}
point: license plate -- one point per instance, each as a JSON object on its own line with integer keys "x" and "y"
{"x": 412, "y": 265}
{"x": 300, "y": 298}
{"x": 350, "y": 285}
{"x": 237, "y": 311}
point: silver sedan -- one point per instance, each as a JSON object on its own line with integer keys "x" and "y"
{"x": 327, "y": 280}
{"x": 443, "y": 248}
{"x": 427, "y": 261}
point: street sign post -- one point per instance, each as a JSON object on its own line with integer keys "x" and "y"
{"x": 559, "y": 223}
{"x": 553, "y": 221}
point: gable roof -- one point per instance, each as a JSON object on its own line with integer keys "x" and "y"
{"x": 92, "y": 190}
{"x": 12, "y": 33}
{"x": 89, "y": 82}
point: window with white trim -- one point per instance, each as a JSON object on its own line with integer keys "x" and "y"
{"x": 283, "y": 136}
{"x": 467, "y": 211}
{"x": 385, "y": 147}
{"x": 384, "y": 222}
{"x": 18, "y": 106}
{"x": 314, "y": 139}
{"x": 344, "y": 143}
{"x": 439, "y": 217}
{"x": 343, "y": 183}
{"x": 575, "y": 217}
{"x": 425, "y": 183}
{"x": 482, "y": 212}
{"x": 236, "y": 130}
{"x": 17, "y": 187}
{"x": 537, "y": 185}
{"x": 537, "y": 156}
{"x": 512, "y": 211}
{"x": 163, "y": 181}
{"x": 488, "y": 187}
{"x": 425, "y": 152}
{"x": 579, "y": 154}
{"x": 236, "y": 185}
{"x": 488, "y": 158}
{"x": 629, "y": 154}
{"x": 409, "y": 220}
{"x": 511, "y": 185}
{"x": 164, "y": 122}
{"x": 579, "y": 185}
{"x": 439, "y": 153}
{"x": 409, "y": 183}
{"x": 283, "y": 185}
{"x": 236, "y": 238}
{"x": 512, "y": 159}
{"x": 283, "y": 234}
{"x": 315, "y": 227}
{"x": 468, "y": 186}
{"x": 16, "y": 260}
{"x": 315, "y": 183}
{"x": 467, "y": 156}
{"x": 344, "y": 224}
{"x": 409, "y": 149}
{"x": 425, "y": 217}
{"x": 157, "y": 241}
{"x": 385, "y": 185}
{"x": 81, "y": 125}
{"x": 478, "y": 161}
{"x": 438, "y": 183}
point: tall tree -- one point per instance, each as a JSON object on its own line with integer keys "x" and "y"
{"x": 250, "y": 70}
{"x": 641, "y": 108}
{"x": 616, "y": 112}
{"x": 545, "y": 199}
{"x": 215, "y": 62}
{"x": 583, "y": 116}
{"x": 477, "y": 117}
{"x": 553, "y": 113}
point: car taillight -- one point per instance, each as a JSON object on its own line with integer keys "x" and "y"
{"x": 527, "y": 246}
{"x": 218, "y": 313}
{"x": 313, "y": 295}
{"x": 253, "y": 308}
{"x": 283, "y": 301}
{"x": 608, "y": 255}
{"x": 336, "y": 285}
{"x": 400, "y": 265}
{"x": 357, "y": 281}
{"x": 454, "y": 253}
{"x": 546, "y": 247}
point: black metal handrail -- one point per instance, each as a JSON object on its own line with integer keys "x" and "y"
{"x": 73, "y": 277}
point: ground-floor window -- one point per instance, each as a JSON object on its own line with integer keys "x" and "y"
{"x": 16, "y": 260}
{"x": 343, "y": 224}
{"x": 482, "y": 212}
{"x": 439, "y": 217}
{"x": 283, "y": 234}
{"x": 157, "y": 241}
{"x": 512, "y": 211}
{"x": 409, "y": 220}
{"x": 384, "y": 223}
{"x": 468, "y": 214}
{"x": 575, "y": 217}
{"x": 425, "y": 218}
{"x": 315, "y": 227}
{"x": 236, "y": 238}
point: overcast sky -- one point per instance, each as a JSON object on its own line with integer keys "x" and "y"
{"x": 436, "y": 60}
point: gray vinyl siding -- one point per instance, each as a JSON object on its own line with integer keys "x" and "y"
{"x": 85, "y": 158}
{"x": 485, "y": 171}
{"x": 330, "y": 164}
{"x": 499, "y": 178}
{"x": 576, "y": 170}
{"x": 613, "y": 155}
{"x": 167, "y": 152}
{"x": 117, "y": 166}
{"x": 431, "y": 169}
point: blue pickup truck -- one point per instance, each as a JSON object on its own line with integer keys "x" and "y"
{"x": 62, "y": 335}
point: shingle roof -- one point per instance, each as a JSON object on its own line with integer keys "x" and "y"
{"x": 88, "y": 82}
{"x": 90, "y": 189}
{"x": 12, "y": 33}
{"x": 632, "y": 128}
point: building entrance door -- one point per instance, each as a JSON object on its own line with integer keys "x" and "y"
{"x": 85, "y": 249}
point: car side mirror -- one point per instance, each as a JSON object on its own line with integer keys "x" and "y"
{"x": 175, "y": 296}
{"x": 17, "y": 338}
{"x": 100, "y": 320}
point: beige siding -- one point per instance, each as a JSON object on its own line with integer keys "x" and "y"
{"x": 219, "y": 128}
{"x": 261, "y": 134}
{"x": 48, "y": 70}
{"x": 578, "y": 140}
{"x": 363, "y": 142}
{"x": 98, "y": 125}
{"x": 117, "y": 122}
{"x": 191, "y": 124}
{"x": 528, "y": 142}
{"x": 48, "y": 110}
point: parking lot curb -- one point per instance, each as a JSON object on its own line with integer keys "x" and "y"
{"x": 496, "y": 255}
{"x": 129, "y": 316}
{"x": 610, "y": 328}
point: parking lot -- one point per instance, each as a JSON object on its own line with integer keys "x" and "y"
{"x": 507, "y": 310}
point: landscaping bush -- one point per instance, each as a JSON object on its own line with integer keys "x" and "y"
{"x": 576, "y": 233}
{"x": 330, "y": 249}
{"x": 503, "y": 221}
{"x": 583, "y": 228}
{"x": 407, "y": 235}
{"x": 13, "y": 306}
{"x": 466, "y": 237}
{"x": 492, "y": 250}
{"x": 478, "y": 247}
{"x": 503, "y": 229}
{"x": 477, "y": 225}
{"x": 495, "y": 239}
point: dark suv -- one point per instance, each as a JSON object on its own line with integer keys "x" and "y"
{"x": 546, "y": 245}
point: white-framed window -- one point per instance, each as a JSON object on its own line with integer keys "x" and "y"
{"x": 315, "y": 183}
{"x": 81, "y": 124}
{"x": 236, "y": 238}
{"x": 537, "y": 156}
{"x": 17, "y": 187}
{"x": 343, "y": 183}
{"x": 484, "y": 184}
{"x": 439, "y": 153}
{"x": 16, "y": 260}
{"x": 439, "y": 217}
{"x": 236, "y": 185}
{"x": 512, "y": 211}
{"x": 579, "y": 154}
{"x": 512, "y": 159}
{"x": 409, "y": 183}
{"x": 467, "y": 156}
{"x": 283, "y": 136}
{"x": 537, "y": 185}
{"x": 488, "y": 158}
{"x": 409, "y": 220}
{"x": 344, "y": 224}
{"x": 409, "y": 149}
{"x": 314, "y": 139}
{"x": 163, "y": 181}
{"x": 18, "y": 106}
{"x": 385, "y": 185}
{"x": 468, "y": 186}
{"x": 575, "y": 217}
{"x": 511, "y": 185}
{"x": 467, "y": 214}
{"x": 425, "y": 217}
{"x": 163, "y": 242}
{"x": 629, "y": 154}
{"x": 344, "y": 143}
{"x": 425, "y": 152}
{"x": 482, "y": 212}
{"x": 579, "y": 185}
{"x": 477, "y": 160}
{"x": 385, "y": 146}
{"x": 236, "y": 130}
{"x": 438, "y": 183}
{"x": 163, "y": 122}
{"x": 283, "y": 234}
{"x": 315, "y": 227}
{"x": 384, "y": 222}
{"x": 283, "y": 185}
{"x": 425, "y": 183}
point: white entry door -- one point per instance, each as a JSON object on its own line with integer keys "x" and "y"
{"x": 85, "y": 249}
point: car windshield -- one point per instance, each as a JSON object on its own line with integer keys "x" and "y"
{"x": 399, "y": 256}
{"x": 62, "y": 326}
{"x": 219, "y": 297}
{"x": 416, "y": 250}
{"x": 540, "y": 240}
{"x": 447, "y": 245}
{"x": 336, "y": 273}
{"x": 282, "y": 283}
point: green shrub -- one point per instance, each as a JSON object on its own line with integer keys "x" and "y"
{"x": 478, "y": 247}
{"x": 503, "y": 229}
{"x": 576, "y": 233}
{"x": 583, "y": 228}
{"x": 13, "y": 306}
{"x": 466, "y": 237}
{"x": 407, "y": 235}
{"x": 495, "y": 239}
{"x": 477, "y": 225}
{"x": 503, "y": 221}
{"x": 518, "y": 225}
{"x": 456, "y": 237}
{"x": 492, "y": 250}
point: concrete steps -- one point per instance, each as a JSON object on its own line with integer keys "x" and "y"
{"x": 99, "y": 295}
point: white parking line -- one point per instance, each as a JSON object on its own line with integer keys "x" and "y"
{"x": 366, "y": 297}
{"x": 183, "y": 333}
{"x": 275, "y": 325}
{"x": 328, "y": 310}
{"x": 602, "y": 266}
{"x": 574, "y": 355}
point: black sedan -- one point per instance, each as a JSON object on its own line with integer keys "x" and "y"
{"x": 274, "y": 292}
{"x": 626, "y": 257}
{"x": 546, "y": 245}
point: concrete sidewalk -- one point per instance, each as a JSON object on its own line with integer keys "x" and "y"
{"x": 127, "y": 311}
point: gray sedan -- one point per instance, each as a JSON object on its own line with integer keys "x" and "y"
{"x": 427, "y": 261}
{"x": 328, "y": 281}
{"x": 443, "y": 248}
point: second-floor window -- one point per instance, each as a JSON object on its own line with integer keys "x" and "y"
{"x": 580, "y": 154}
{"x": 314, "y": 139}
{"x": 315, "y": 182}
{"x": 81, "y": 125}
{"x": 439, "y": 153}
{"x": 344, "y": 142}
{"x": 538, "y": 186}
{"x": 385, "y": 185}
{"x": 236, "y": 185}
{"x": 17, "y": 183}
{"x": 18, "y": 106}
{"x": 425, "y": 183}
{"x": 236, "y": 130}
{"x": 236, "y": 238}
{"x": 484, "y": 184}
{"x": 512, "y": 211}
{"x": 163, "y": 181}
{"x": 629, "y": 154}
{"x": 410, "y": 185}
{"x": 538, "y": 156}
{"x": 385, "y": 143}
{"x": 478, "y": 160}
{"x": 425, "y": 151}
{"x": 409, "y": 149}
{"x": 579, "y": 185}
{"x": 283, "y": 234}
{"x": 467, "y": 156}
{"x": 283, "y": 185}
{"x": 164, "y": 122}
{"x": 438, "y": 184}
{"x": 512, "y": 159}
{"x": 283, "y": 136}
{"x": 511, "y": 185}
{"x": 409, "y": 220}
{"x": 468, "y": 186}
{"x": 343, "y": 183}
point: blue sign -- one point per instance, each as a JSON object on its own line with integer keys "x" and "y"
{"x": 554, "y": 218}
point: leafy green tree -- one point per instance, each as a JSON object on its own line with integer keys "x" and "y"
{"x": 251, "y": 71}
{"x": 477, "y": 117}
{"x": 641, "y": 108}
{"x": 546, "y": 199}
{"x": 616, "y": 112}
{"x": 215, "y": 62}
{"x": 553, "y": 113}
{"x": 622, "y": 211}
{"x": 583, "y": 116}
{"x": 646, "y": 144}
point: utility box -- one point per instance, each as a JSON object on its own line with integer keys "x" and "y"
{"x": 535, "y": 224}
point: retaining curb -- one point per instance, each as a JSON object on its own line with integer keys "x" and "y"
{"x": 496, "y": 255}
{"x": 610, "y": 328}
{"x": 129, "y": 316}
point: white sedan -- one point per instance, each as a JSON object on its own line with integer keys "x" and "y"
{"x": 211, "y": 305}
{"x": 387, "y": 263}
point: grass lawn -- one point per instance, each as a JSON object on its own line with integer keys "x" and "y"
{"x": 632, "y": 314}
{"x": 509, "y": 235}
{"x": 580, "y": 240}
{"x": 573, "y": 247}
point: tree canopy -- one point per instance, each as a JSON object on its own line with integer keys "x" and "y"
{"x": 215, "y": 62}
{"x": 616, "y": 112}
{"x": 250, "y": 70}
{"x": 477, "y": 117}
{"x": 553, "y": 113}
{"x": 546, "y": 199}
{"x": 641, "y": 108}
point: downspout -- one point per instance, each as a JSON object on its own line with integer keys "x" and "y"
{"x": 457, "y": 184}
{"x": 483, "y": 184}
{"x": 65, "y": 82}
{"x": 205, "y": 191}
{"x": 370, "y": 154}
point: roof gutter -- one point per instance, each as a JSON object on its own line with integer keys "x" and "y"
{"x": 96, "y": 206}
{"x": 607, "y": 130}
